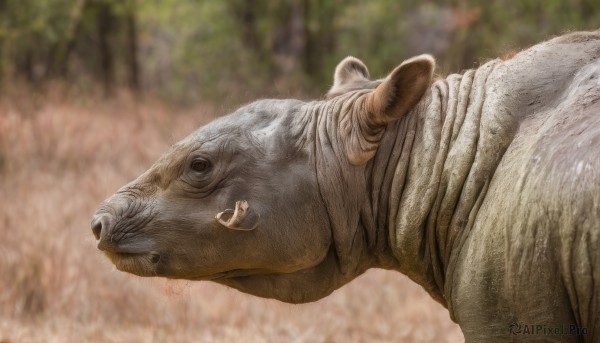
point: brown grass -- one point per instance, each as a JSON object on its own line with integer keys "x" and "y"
{"x": 59, "y": 159}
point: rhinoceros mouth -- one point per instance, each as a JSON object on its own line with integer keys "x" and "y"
{"x": 230, "y": 274}
{"x": 141, "y": 264}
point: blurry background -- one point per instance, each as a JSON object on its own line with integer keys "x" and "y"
{"x": 93, "y": 91}
{"x": 186, "y": 50}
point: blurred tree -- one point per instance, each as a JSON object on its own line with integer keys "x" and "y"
{"x": 105, "y": 21}
{"x": 39, "y": 39}
{"x": 238, "y": 49}
{"x": 61, "y": 50}
{"x": 132, "y": 45}
{"x": 320, "y": 34}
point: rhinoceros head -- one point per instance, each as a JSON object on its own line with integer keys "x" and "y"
{"x": 270, "y": 199}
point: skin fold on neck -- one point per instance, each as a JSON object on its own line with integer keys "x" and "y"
{"x": 431, "y": 174}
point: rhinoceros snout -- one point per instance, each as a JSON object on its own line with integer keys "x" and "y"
{"x": 131, "y": 254}
{"x": 119, "y": 223}
{"x": 101, "y": 229}
{"x": 97, "y": 226}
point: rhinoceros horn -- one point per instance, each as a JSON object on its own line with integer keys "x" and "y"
{"x": 241, "y": 218}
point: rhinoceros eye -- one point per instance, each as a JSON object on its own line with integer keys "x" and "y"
{"x": 200, "y": 165}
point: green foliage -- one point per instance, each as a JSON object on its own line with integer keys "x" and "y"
{"x": 508, "y": 25}
{"x": 236, "y": 50}
{"x": 194, "y": 48}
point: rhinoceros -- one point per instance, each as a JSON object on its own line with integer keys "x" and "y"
{"x": 482, "y": 187}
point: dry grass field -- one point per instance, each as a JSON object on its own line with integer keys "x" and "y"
{"x": 59, "y": 158}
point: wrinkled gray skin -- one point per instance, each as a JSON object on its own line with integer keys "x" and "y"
{"x": 484, "y": 188}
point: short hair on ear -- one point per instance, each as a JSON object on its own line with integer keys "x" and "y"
{"x": 348, "y": 70}
{"x": 399, "y": 92}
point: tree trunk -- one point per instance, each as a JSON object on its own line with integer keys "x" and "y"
{"x": 132, "y": 47}
{"x": 246, "y": 13}
{"x": 104, "y": 22}
{"x": 320, "y": 40}
{"x": 289, "y": 45}
{"x": 60, "y": 53}
{"x": 2, "y": 57}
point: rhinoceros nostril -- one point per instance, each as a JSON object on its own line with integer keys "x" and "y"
{"x": 97, "y": 226}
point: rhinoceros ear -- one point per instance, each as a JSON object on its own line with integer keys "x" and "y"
{"x": 399, "y": 92}
{"x": 349, "y": 71}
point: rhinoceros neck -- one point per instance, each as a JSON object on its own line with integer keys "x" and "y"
{"x": 436, "y": 165}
